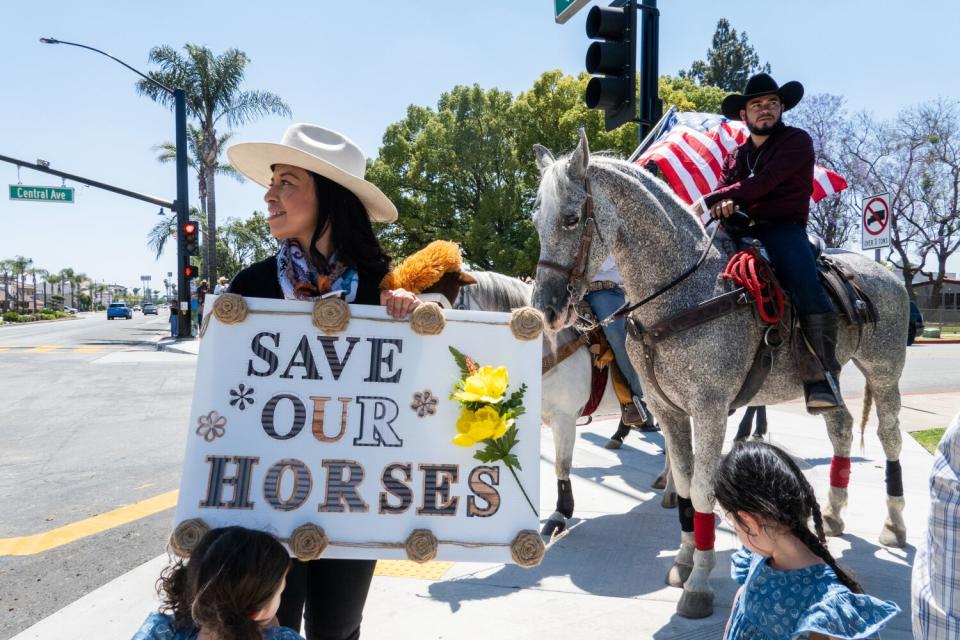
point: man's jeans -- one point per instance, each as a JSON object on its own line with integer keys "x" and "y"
{"x": 604, "y": 303}
{"x": 793, "y": 261}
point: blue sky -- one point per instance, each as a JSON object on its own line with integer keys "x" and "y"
{"x": 355, "y": 67}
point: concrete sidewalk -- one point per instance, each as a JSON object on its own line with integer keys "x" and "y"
{"x": 604, "y": 578}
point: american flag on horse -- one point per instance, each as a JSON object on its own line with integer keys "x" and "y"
{"x": 690, "y": 148}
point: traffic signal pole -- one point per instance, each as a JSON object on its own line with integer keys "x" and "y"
{"x": 184, "y": 328}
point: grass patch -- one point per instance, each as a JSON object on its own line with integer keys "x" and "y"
{"x": 928, "y": 438}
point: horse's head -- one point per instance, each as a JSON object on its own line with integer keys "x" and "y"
{"x": 575, "y": 225}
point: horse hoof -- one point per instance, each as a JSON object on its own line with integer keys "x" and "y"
{"x": 695, "y": 604}
{"x": 669, "y": 500}
{"x": 893, "y": 536}
{"x": 678, "y": 574}
{"x": 613, "y": 443}
{"x": 660, "y": 483}
{"x": 552, "y": 528}
{"x": 832, "y": 525}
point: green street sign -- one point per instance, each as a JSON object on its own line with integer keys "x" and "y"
{"x": 41, "y": 194}
{"x": 563, "y": 10}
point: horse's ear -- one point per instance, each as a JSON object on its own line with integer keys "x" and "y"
{"x": 464, "y": 279}
{"x": 579, "y": 159}
{"x": 544, "y": 157}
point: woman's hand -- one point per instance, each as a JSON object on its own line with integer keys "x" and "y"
{"x": 399, "y": 302}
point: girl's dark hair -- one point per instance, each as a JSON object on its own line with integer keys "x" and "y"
{"x": 764, "y": 481}
{"x": 351, "y": 231}
{"x": 232, "y": 573}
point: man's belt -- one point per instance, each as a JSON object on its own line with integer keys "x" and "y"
{"x": 601, "y": 285}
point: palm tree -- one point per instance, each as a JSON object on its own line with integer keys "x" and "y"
{"x": 165, "y": 229}
{"x": 212, "y": 84}
{"x": 21, "y": 265}
{"x": 53, "y": 279}
{"x": 7, "y": 267}
{"x": 43, "y": 273}
{"x": 168, "y": 153}
{"x": 67, "y": 275}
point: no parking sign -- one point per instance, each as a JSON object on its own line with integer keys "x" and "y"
{"x": 875, "y": 228}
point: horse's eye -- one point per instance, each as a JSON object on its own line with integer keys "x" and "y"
{"x": 570, "y": 220}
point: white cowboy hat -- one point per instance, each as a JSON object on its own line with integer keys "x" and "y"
{"x": 322, "y": 151}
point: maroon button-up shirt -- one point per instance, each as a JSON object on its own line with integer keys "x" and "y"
{"x": 782, "y": 181}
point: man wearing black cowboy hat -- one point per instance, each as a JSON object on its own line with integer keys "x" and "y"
{"x": 770, "y": 178}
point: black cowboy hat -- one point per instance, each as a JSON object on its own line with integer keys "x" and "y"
{"x": 762, "y": 85}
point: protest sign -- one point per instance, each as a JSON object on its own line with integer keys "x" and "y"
{"x": 335, "y": 423}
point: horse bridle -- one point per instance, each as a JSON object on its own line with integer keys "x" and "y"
{"x": 588, "y": 224}
{"x": 576, "y": 272}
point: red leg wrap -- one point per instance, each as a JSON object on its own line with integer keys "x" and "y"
{"x": 839, "y": 472}
{"x": 704, "y": 530}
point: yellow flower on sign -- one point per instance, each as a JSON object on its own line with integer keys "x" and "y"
{"x": 477, "y": 426}
{"x": 486, "y": 385}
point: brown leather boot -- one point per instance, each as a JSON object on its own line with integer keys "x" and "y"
{"x": 821, "y": 388}
{"x": 630, "y": 415}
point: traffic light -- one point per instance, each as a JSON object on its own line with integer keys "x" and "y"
{"x": 614, "y": 57}
{"x": 190, "y": 242}
{"x": 190, "y": 271}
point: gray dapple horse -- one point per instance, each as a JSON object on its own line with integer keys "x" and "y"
{"x": 654, "y": 237}
{"x": 566, "y": 388}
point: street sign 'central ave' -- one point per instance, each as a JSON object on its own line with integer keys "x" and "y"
{"x": 41, "y": 194}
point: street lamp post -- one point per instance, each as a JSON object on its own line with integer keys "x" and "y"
{"x": 180, "y": 110}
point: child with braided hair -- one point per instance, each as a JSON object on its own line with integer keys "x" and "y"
{"x": 792, "y": 585}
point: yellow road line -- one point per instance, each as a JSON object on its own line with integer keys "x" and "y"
{"x": 87, "y": 349}
{"x": 40, "y": 542}
{"x": 408, "y": 569}
{"x": 43, "y": 348}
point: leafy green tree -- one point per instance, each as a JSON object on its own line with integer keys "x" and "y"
{"x": 243, "y": 242}
{"x": 686, "y": 95}
{"x": 465, "y": 171}
{"x": 731, "y": 60}
{"x": 214, "y": 98}
{"x": 454, "y": 173}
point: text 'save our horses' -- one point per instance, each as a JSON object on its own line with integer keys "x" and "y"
{"x": 655, "y": 238}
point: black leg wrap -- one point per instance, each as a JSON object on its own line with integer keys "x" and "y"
{"x": 685, "y": 511}
{"x": 894, "y": 479}
{"x": 565, "y": 498}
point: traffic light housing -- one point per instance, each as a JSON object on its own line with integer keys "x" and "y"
{"x": 614, "y": 58}
{"x": 191, "y": 243}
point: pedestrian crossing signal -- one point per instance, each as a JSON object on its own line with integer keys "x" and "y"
{"x": 190, "y": 271}
{"x": 190, "y": 241}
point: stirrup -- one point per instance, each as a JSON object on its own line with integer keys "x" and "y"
{"x": 823, "y": 395}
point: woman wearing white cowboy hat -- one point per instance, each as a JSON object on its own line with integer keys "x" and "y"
{"x": 320, "y": 209}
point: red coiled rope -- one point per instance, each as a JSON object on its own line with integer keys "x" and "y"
{"x": 752, "y": 272}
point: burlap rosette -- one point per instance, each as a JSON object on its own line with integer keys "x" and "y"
{"x": 527, "y": 549}
{"x": 421, "y": 546}
{"x": 308, "y": 542}
{"x": 526, "y": 323}
{"x": 230, "y": 308}
{"x": 186, "y": 536}
{"x": 331, "y": 315}
{"x": 427, "y": 319}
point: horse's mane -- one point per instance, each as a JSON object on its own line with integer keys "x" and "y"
{"x": 554, "y": 176}
{"x": 494, "y": 292}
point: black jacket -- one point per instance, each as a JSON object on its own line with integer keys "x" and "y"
{"x": 259, "y": 280}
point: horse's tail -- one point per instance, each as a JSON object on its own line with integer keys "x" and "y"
{"x": 867, "y": 401}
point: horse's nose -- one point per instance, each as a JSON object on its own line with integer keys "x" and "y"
{"x": 550, "y": 315}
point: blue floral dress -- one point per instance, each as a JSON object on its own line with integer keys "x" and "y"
{"x": 159, "y": 626}
{"x": 789, "y": 605}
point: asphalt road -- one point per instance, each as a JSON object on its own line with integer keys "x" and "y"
{"x": 93, "y": 418}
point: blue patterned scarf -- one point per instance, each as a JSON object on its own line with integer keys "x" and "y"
{"x": 300, "y": 280}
